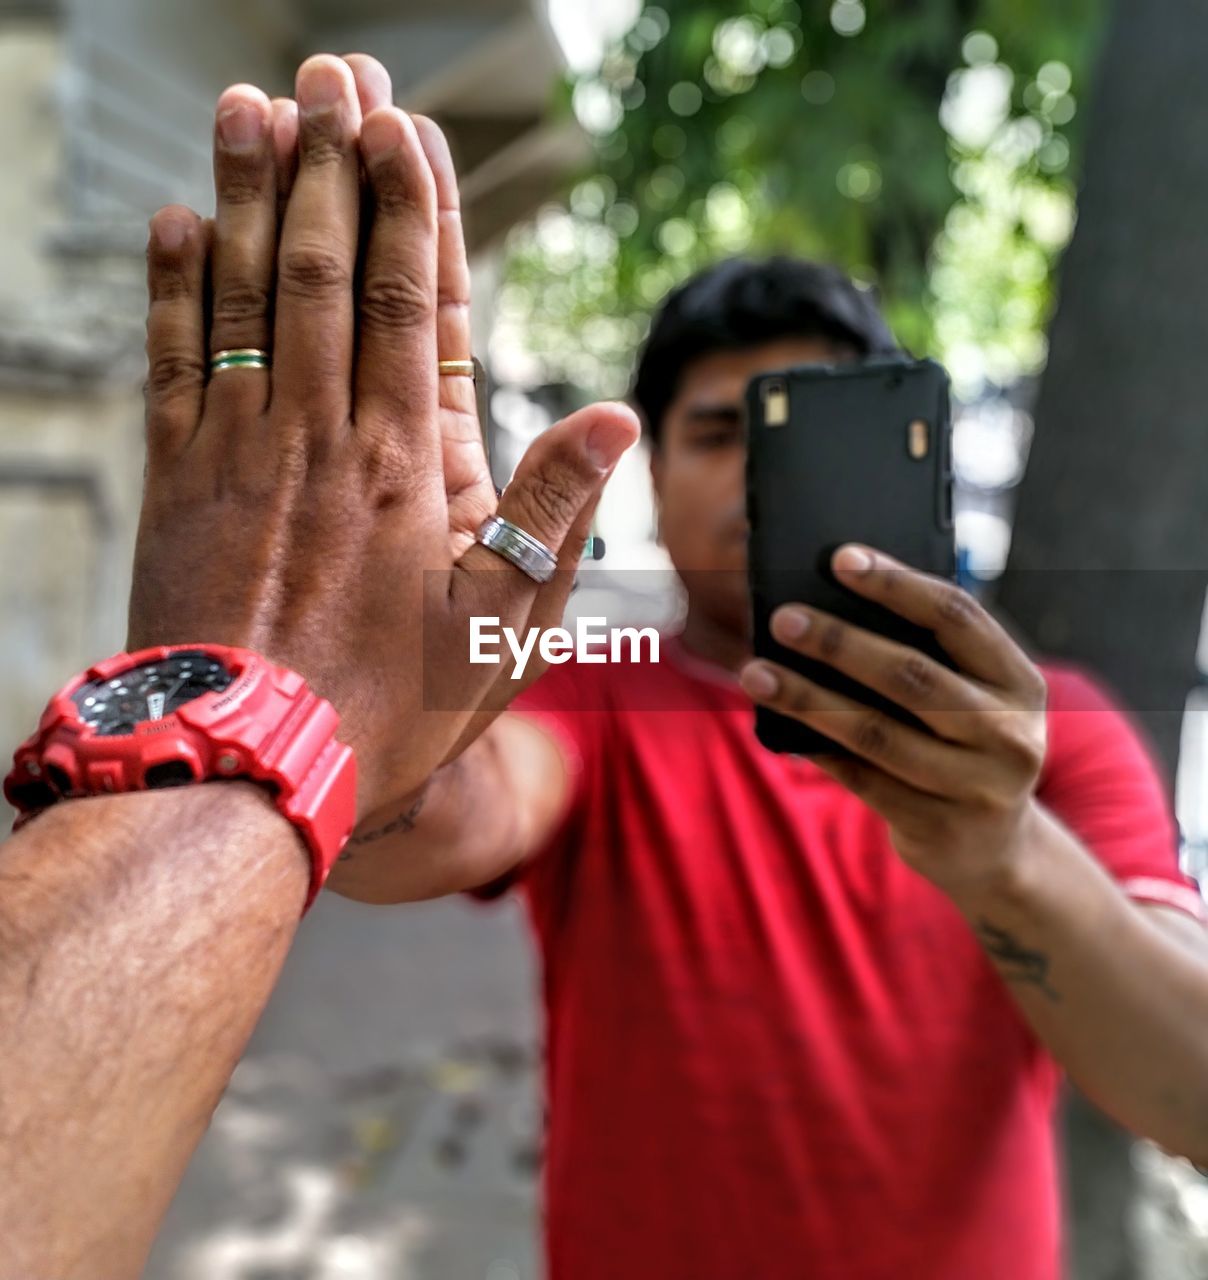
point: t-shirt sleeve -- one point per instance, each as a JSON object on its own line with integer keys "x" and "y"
{"x": 1102, "y": 779}
{"x": 564, "y": 704}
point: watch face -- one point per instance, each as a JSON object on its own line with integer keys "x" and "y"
{"x": 150, "y": 692}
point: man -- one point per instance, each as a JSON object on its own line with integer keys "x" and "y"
{"x": 298, "y": 507}
{"x": 805, "y": 1017}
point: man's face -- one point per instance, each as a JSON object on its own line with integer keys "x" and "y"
{"x": 699, "y": 471}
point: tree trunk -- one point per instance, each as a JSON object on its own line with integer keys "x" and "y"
{"x": 1111, "y": 532}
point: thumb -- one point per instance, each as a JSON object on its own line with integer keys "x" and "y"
{"x": 553, "y": 496}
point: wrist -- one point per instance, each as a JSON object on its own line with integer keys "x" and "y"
{"x": 74, "y": 854}
{"x": 1015, "y": 887}
{"x": 178, "y": 715}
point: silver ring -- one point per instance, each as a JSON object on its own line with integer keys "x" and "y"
{"x": 517, "y": 547}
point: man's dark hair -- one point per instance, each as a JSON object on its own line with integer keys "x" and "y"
{"x": 744, "y": 303}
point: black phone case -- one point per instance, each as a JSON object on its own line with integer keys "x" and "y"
{"x": 839, "y": 469}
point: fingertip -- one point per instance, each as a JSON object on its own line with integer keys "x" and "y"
{"x": 285, "y": 128}
{"x": 171, "y": 228}
{"x": 440, "y": 160}
{"x": 852, "y": 558}
{"x": 285, "y": 111}
{"x": 324, "y": 81}
{"x": 627, "y": 412}
{"x": 760, "y": 681}
{"x": 242, "y": 95}
{"x": 434, "y": 142}
{"x": 394, "y": 158}
{"x": 611, "y": 435}
{"x": 381, "y": 134}
{"x": 374, "y": 86}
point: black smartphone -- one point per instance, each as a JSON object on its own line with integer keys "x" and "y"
{"x": 853, "y": 452}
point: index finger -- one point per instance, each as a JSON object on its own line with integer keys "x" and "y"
{"x": 965, "y": 631}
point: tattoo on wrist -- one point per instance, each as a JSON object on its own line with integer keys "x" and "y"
{"x": 1016, "y": 962}
{"x": 403, "y": 822}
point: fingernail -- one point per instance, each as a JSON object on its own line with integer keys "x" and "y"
{"x": 379, "y": 136}
{"x": 169, "y": 233}
{"x": 759, "y": 681}
{"x": 606, "y": 441}
{"x": 241, "y": 127}
{"x": 853, "y": 559}
{"x": 320, "y": 86}
{"x": 792, "y": 624}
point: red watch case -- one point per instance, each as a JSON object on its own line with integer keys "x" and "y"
{"x": 266, "y": 726}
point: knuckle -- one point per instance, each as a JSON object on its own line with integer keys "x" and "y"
{"x": 171, "y": 372}
{"x": 1021, "y": 743}
{"x": 395, "y": 198}
{"x": 395, "y": 302}
{"x": 554, "y": 497}
{"x": 871, "y": 736}
{"x": 386, "y": 467}
{"x": 241, "y": 185}
{"x": 312, "y": 270}
{"x": 985, "y": 797}
{"x": 240, "y": 303}
{"x": 322, "y": 147}
{"x": 915, "y": 677}
{"x": 168, "y": 284}
{"x": 797, "y": 697}
{"x": 830, "y": 640}
{"x": 1036, "y": 691}
{"x": 957, "y": 607}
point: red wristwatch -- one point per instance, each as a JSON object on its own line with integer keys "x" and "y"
{"x": 181, "y": 714}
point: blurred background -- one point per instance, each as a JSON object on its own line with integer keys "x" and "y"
{"x": 964, "y": 158}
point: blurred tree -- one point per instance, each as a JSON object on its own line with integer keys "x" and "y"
{"x": 1111, "y": 532}
{"x": 1110, "y": 544}
{"x": 1108, "y": 549}
{"x": 924, "y": 146}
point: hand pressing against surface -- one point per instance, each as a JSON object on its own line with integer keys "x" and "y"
{"x": 323, "y": 511}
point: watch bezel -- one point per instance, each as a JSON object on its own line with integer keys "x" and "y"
{"x": 100, "y": 680}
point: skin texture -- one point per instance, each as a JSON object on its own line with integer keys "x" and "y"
{"x": 140, "y": 936}
{"x": 321, "y": 513}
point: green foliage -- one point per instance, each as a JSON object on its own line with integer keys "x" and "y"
{"x": 928, "y": 147}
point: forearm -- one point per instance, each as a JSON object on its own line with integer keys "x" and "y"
{"x": 473, "y": 821}
{"x": 141, "y": 935}
{"x": 1120, "y": 1004}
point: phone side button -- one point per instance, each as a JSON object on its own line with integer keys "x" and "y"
{"x": 946, "y": 503}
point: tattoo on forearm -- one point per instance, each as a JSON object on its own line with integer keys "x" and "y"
{"x": 402, "y": 822}
{"x": 1016, "y": 962}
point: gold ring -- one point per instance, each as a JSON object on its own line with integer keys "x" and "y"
{"x": 239, "y": 358}
{"x": 453, "y": 368}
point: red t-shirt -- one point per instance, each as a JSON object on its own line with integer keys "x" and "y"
{"x": 774, "y": 1051}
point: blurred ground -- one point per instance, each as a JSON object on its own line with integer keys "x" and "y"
{"x": 385, "y": 1122}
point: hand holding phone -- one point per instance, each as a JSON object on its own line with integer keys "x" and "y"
{"x": 858, "y": 452}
